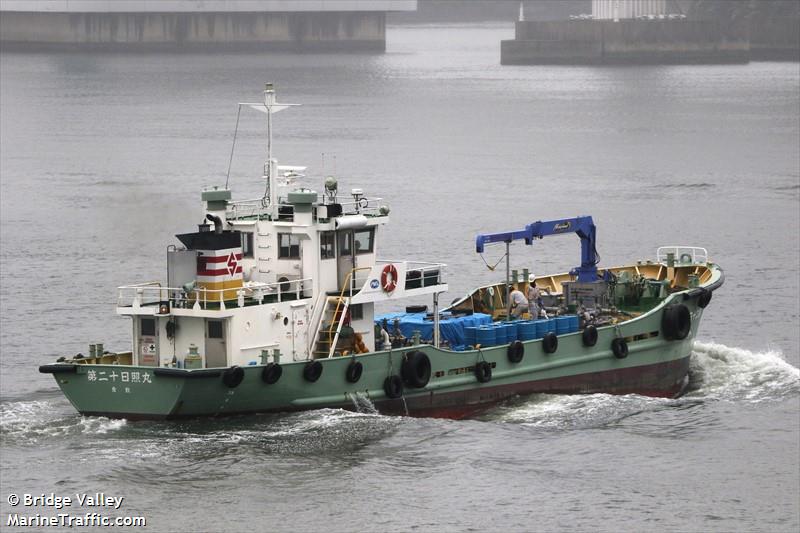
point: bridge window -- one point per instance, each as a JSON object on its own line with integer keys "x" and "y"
{"x": 326, "y": 246}
{"x": 364, "y": 240}
{"x": 288, "y": 246}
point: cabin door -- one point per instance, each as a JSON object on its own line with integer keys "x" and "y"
{"x": 300, "y": 333}
{"x": 148, "y": 342}
{"x": 216, "y": 353}
{"x": 346, "y": 259}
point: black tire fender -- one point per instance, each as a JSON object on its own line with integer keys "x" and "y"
{"x": 589, "y": 335}
{"x": 233, "y": 376}
{"x": 483, "y": 372}
{"x": 416, "y": 369}
{"x": 271, "y": 373}
{"x": 704, "y": 299}
{"x": 516, "y": 351}
{"x": 312, "y": 371}
{"x": 353, "y": 372}
{"x": 393, "y": 386}
{"x": 676, "y": 322}
{"x": 550, "y": 343}
{"x": 620, "y": 348}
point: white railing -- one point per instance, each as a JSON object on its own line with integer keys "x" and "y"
{"x": 152, "y": 293}
{"x": 246, "y": 208}
{"x": 682, "y": 255}
{"x": 362, "y": 206}
{"x": 427, "y": 273}
{"x": 255, "y": 207}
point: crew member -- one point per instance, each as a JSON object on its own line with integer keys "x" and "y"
{"x": 519, "y": 304}
{"x": 535, "y": 299}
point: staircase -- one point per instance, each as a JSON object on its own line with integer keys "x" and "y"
{"x": 330, "y": 325}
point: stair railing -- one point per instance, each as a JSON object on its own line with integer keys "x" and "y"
{"x": 333, "y": 338}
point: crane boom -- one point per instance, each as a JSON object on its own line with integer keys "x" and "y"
{"x": 583, "y": 226}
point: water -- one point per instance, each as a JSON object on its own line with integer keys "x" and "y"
{"x": 102, "y": 160}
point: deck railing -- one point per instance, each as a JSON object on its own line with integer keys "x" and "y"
{"x": 420, "y": 273}
{"x": 256, "y": 207}
{"x": 254, "y": 293}
{"x": 682, "y": 255}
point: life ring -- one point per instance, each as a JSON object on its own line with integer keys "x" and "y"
{"x": 312, "y": 371}
{"x": 515, "y": 351}
{"x": 271, "y": 373}
{"x": 389, "y": 278}
{"x": 589, "y": 335}
{"x": 704, "y": 299}
{"x": 550, "y": 343}
{"x": 676, "y": 322}
{"x": 416, "y": 369}
{"x": 353, "y": 372}
{"x": 233, "y": 376}
{"x": 483, "y": 372}
{"x": 620, "y": 348}
{"x": 393, "y": 386}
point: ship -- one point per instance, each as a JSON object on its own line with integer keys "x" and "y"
{"x": 270, "y": 306}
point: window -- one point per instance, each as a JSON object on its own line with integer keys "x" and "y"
{"x": 326, "y": 250}
{"x": 345, "y": 243}
{"x": 247, "y": 244}
{"x": 357, "y": 312}
{"x": 363, "y": 240}
{"x": 288, "y": 246}
{"x": 215, "y": 329}
{"x": 147, "y": 327}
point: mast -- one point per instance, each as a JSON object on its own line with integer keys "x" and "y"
{"x": 269, "y": 107}
{"x": 269, "y": 168}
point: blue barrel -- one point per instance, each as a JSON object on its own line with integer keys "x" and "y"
{"x": 470, "y": 336}
{"x": 512, "y": 330}
{"x": 574, "y": 323}
{"x": 550, "y": 325}
{"x": 562, "y": 325}
{"x": 500, "y": 334}
{"x": 541, "y": 327}
{"x": 485, "y": 336}
{"x": 526, "y": 330}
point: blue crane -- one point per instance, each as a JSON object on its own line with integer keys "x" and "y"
{"x": 582, "y": 226}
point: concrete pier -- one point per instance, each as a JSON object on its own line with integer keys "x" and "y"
{"x": 305, "y": 25}
{"x": 624, "y": 41}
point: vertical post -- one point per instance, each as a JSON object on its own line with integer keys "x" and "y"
{"x": 269, "y": 102}
{"x": 436, "y": 319}
{"x": 508, "y": 280}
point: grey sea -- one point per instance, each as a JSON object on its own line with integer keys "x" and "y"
{"x": 102, "y": 160}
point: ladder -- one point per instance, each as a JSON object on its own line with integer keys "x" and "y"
{"x": 330, "y": 326}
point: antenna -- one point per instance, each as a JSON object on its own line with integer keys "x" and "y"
{"x": 269, "y": 107}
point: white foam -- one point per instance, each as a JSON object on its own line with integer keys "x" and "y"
{"x": 718, "y": 372}
{"x": 35, "y": 421}
{"x": 725, "y": 373}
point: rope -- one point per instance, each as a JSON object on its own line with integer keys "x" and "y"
{"x": 230, "y": 161}
{"x": 495, "y": 265}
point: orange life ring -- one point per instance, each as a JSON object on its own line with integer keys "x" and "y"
{"x": 389, "y": 278}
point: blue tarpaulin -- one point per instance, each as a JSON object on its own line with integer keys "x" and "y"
{"x": 451, "y": 329}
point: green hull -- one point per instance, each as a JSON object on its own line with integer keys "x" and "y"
{"x": 654, "y": 366}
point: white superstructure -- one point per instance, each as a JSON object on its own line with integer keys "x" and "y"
{"x": 295, "y": 275}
